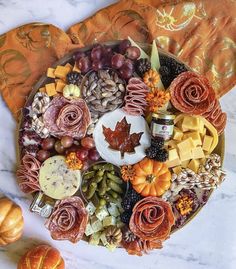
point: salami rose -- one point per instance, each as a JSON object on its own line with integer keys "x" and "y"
{"x": 68, "y": 220}
{"x": 28, "y": 174}
{"x": 67, "y": 117}
{"x": 152, "y": 219}
{"x": 192, "y": 93}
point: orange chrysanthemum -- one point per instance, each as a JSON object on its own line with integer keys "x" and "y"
{"x": 73, "y": 162}
{"x": 151, "y": 78}
{"x": 156, "y": 99}
{"x": 127, "y": 172}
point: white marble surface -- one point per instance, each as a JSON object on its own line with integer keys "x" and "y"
{"x": 209, "y": 241}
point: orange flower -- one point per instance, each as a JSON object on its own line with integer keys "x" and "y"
{"x": 151, "y": 78}
{"x": 157, "y": 98}
{"x": 127, "y": 172}
{"x": 73, "y": 162}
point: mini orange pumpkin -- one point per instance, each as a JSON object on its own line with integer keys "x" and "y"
{"x": 43, "y": 257}
{"x": 11, "y": 222}
{"x": 151, "y": 178}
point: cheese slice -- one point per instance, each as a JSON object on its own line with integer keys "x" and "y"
{"x": 197, "y": 141}
{"x": 184, "y": 164}
{"x": 173, "y": 159}
{"x": 177, "y": 169}
{"x": 197, "y": 153}
{"x": 191, "y": 123}
{"x": 185, "y": 155}
{"x": 56, "y": 180}
{"x": 178, "y": 134}
{"x": 194, "y": 165}
{"x": 186, "y": 145}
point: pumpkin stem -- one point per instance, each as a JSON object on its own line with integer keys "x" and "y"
{"x": 150, "y": 178}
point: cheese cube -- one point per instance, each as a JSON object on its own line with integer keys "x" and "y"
{"x": 95, "y": 238}
{"x": 69, "y": 66}
{"x": 111, "y": 220}
{"x": 88, "y": 230}
{"x": 185, "y": 155}
{"x": 60, "y": 85}
{"x": 201, "y": 126}
{"x": 177, "y": 169}
{"x": 186, "y": 145}
{"x": 202, "y": 161}
{"x": 197, "y": 153}
{"x": 113, "y": 210}
{"x": 207, "y": 141}
{"x": 191, "y": 123}
{"x": 203, "y": 133}
{"x": 178, "y": 134}
{"x": 42, "y": 90}
{"x": 194, "y": 165}
{"x": 171, "y": 144}
{"x": 96, "y": 224}
{"x": 101, "y": 213}
{"x": 184, "y": 164}
{"x": 90, "y": 208}
{"x": 173, "y": 158}
{"x": 76, "y": 69}
{"x": 197, "y": 141}
{"x": 50, "y": 72}
{"x": 51, "y": 89}
{"x": 61, "y": 71}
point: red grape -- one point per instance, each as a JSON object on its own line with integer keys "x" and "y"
{"x": 48, "y": 143}
{"x": 85, "y": 165}
{"x": 88, "y": 142}
{"x": 67, "y": 141}
{"x": 96, "y": 53}
{"x": 124, "y": 44}
{"x": 73, "y": 148}
{"x": 84, "y": 64}
{"x": 58, "y": 147}
{"x": 43, "y": 155}
{"x": 93, "y": 155}
{"x": 107, "y": 49}
{"x": 126, "y": 71}
{"x": 78, "y": 55}
{"x": 82, "y": 154}
{"x": 133, "y": 53}
{"x": 117, "y": 61}
{"x": 97, "y": 65}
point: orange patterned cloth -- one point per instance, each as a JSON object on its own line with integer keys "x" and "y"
{"x": 201, "y": 33}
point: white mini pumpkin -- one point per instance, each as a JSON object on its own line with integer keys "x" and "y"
{"x": 71, "y": 91}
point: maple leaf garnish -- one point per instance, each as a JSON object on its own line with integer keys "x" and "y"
{"x": 120, "y": 139}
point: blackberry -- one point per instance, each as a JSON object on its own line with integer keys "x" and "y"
{"x": 73, "y": 78}
{"x": 164, "y": 70}
{"x": 125, "y": 216}
{"x": 157, "y": 142}
{"x": 142, "y": 66}
{"x": 162, "y": 155}
{"x": 151, "y": 152}
{"x": 133, "y": 196}
{"x": 126, "y": 203}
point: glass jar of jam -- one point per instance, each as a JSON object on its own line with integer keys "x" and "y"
{"x": 162, "y": 125}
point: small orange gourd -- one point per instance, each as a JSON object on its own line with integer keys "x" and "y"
{"x": 11, "y": 221}
{"x": 151, "y": 178}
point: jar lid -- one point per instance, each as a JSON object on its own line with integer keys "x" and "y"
{"x": 166, "y": 116}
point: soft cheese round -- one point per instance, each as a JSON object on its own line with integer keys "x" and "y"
{"x": 57, "y": 180}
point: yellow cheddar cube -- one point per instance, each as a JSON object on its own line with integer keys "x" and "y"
{"x": 197, "y": 141}
{"x": 186, "y": 145}
{"x": 51, "y": 89}
{"x": 197, "y": 153}
{"x": 171, "y": 144}
{"x": 207, "y": 142}
{"x": 191, "y": 123}
{"x": 51, "y": 72}
{"x": 42, "y": 90}
{"x": 61, "y": 71}
{"x": 178, "y": 134}
{"x": 177, "y": 169}
{"x": 184, "y": 164}
{"x": 60, "y": 85}
{"x": 194, "y": 165}
{"x": 185, "y": 155}
{"x": 69, "y": 66}
{"x": 173, "y": 158}
{"x": 201, "y": 126}
{"x": 76, "y": 68}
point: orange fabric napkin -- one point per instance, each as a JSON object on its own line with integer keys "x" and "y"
{"x": 201, "y": 33}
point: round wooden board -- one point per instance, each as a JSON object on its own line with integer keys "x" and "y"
{"x": 220, "y": 149}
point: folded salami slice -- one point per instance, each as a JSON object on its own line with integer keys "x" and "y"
{"x": 67, "y": 117}
{"x": 152, "y": 219}
{"x": 192, "y": 93}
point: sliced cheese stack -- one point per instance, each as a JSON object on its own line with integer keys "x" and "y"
{"x": 193, "y": 139}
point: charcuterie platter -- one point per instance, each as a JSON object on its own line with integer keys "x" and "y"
{"x": 120, "y": 144}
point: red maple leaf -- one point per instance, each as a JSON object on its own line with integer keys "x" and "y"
{"x": 120, "y": 139}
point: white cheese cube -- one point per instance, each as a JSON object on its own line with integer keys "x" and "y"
{"x": 90, "y": 208}
{"x": 113, "y": 210}
{"x": 101, "y": 213}
{"x": 109, "y": 221}
{"x": 95, "y": 238}
{"x": 89, "y": 230}
{"x": 96, "y": 224}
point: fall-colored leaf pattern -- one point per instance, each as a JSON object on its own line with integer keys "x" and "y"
{"x": 200, "y": 33}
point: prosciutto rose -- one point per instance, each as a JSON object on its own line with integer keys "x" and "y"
{"x": 192, "y": 93}
{"x": 67, "y": 117}
{"x": 152, "y": 219}
{"x": 28, "y": 174}
{"x": 68, "y": 220}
